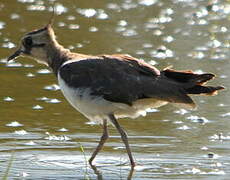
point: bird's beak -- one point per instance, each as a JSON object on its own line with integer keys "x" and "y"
{"x": 15, "y": 54}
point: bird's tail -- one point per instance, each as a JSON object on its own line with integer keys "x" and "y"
{"x": 193, "y": 83}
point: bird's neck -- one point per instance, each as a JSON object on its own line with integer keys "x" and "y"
{"x": 56, "y": 56}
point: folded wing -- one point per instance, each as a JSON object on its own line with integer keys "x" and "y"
{"x": 124, "y": 79}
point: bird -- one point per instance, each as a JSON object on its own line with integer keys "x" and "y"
{"x": 106, "y": 87}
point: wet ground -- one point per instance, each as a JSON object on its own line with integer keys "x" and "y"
{"x": 43, "y": 137}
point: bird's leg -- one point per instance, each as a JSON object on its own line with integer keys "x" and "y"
{"x": 104, "y": 137}
{"x": 123, "y": 137}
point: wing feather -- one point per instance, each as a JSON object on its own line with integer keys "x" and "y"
{"x": 116, "y": 78}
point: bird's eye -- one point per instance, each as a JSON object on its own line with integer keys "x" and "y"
{"x": 28, "y": 41}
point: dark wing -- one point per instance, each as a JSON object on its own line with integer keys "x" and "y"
{"x": 138, "y": 64}
{"x": 124, "y": 79}
{"x": 116, "y": 78}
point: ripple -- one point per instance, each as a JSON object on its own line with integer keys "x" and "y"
{"x": 102, "y": 15}
{"x": 28, "y": 65}
{"x": 8, "y": 99}
{"x": 140, "y": 52}
{"x": 21, "y": 132}
{"x": 152, "y": 166}
{"x": 225, "y": 114}
{"x": 113, "y": 6}
{"x": 168, "y": 39}
{"x": 30, "y": 75}
{"x": 2, "y": 25}
{"x": 128, "y": 5}
{"x": 9, "y": 45}
{"x": 87, "y": 12}
{"x": 162, "y": 52}
{"x": 44, "y": 71}
{"x": 181, "y": 111}
{"x": 199, "y": 171}
{"x": 198, "y": 119}
{"x": 212, "y": 155}
{"x": 36, "y": 7}
{"x": 74, "y": 26}
{"x": 147, "y": 2}
{"x": 122, "y": 23}
{"x": 63, "y": 130}
{"x": 157, "y": 32}
{"x": 42, "y": 98}
{"x": 14, "y": 16}
{"x": 219, "y": 136}
{"x": 79, "y": 45}
{"x": 184, "y": 127}
{"x": 218, "y": 56}
{"x": 37, "y": 107}
{"x": 71, "y": 17}
{"x": 129, "y": 32}
{"x": 219, "y": 29}
{"x": 59, "y": 9}
{"x": 93, "y": 29}
{"x": 215, "y": 43}
{"x": 147, "y": 45}
{"x": 61, "y": 24}
{"x": 30, "y": 143}
{"x": 13, "y": 64}
{"x": 26, "y": 1}
{"x": 193, "y": 171}
{"x": 14, "y": 124}
{"x": 52, "y": 87}
{"x": 204, "y": 148}
{"x": 52, "y": 137}
{"x": 53, "y": 101}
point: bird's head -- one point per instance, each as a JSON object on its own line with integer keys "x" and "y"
{"x": 36, "y": 44}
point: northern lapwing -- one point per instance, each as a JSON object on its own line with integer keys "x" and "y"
{"x": 105, "y": 88}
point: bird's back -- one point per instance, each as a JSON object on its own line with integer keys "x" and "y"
{"x": 122, "y": 85}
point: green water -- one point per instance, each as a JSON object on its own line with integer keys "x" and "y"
{"x": 44, "y": 132}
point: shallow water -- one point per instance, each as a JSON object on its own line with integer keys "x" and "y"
{"x": 41, "y": 134}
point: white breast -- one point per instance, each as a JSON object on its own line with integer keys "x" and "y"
{"x": 96, "y": 108}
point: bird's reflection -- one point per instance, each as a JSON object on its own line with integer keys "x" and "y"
{"x": 98, "y": 173}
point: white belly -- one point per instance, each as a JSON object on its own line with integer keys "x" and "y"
{"x": 96, "y": 108}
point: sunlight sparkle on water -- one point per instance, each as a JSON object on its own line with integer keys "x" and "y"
{"x": 14, "y": 124}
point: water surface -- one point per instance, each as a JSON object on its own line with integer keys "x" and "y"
{"x": 42, "y": 134}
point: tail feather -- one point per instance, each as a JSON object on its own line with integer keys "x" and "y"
{"x": 193, "y": 83}
{"x": 208, "y": 90}
{"x": 202, "y": 78}
{"x": 188, "y": 83}
{"x": 188, "y": 76}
